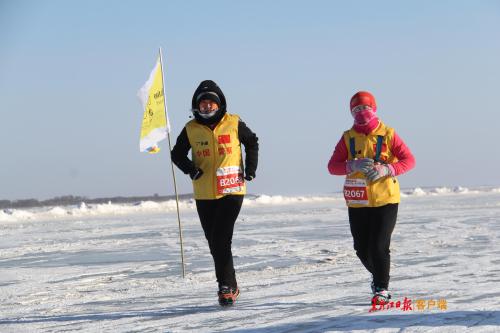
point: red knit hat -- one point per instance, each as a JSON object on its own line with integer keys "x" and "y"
{"x": 363, "y": 98}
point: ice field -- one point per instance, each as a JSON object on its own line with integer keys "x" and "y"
{"x": 116, "y": 268}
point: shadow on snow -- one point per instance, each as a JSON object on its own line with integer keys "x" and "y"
{"x": 339, "y": 323}
{"x": 379, "y": 321}
{"x": 158, "y": 314}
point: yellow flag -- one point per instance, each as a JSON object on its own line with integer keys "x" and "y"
{"x": 155, "y": 124}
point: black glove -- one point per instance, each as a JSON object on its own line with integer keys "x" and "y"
{"x": 249, "y": 176}
{"x": 195, "y": 173}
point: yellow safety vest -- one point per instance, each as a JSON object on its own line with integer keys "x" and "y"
{"x": 359, "y": 191}
{"x": 218, "y": 153}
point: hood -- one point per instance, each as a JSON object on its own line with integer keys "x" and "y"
{"x": 209, "y": 86}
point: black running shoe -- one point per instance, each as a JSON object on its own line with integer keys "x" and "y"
{"x": 228, "y": 295}
{"x": 381, "y": 296}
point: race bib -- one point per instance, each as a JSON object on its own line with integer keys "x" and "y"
{"x": 229, "y": 180}
{"x": 355, "y": 191}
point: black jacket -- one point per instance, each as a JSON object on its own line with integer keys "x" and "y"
{"x": 246, "y": 137}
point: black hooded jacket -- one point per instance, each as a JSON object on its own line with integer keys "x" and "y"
{"x": 245, "y": 135}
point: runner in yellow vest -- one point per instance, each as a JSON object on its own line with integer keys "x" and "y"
{"x": 371, "y": 155}
{"x": 219, "y": 174}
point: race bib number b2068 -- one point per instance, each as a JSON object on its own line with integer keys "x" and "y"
{"x": 229, "y": 180}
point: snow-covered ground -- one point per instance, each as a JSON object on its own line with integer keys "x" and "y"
{"x": 116, "y": 268}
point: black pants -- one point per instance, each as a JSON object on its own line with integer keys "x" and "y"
{"x": 371, "y": 228}
{"x": 217, "y": 218}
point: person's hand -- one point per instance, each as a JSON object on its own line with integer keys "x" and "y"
{"x": 249, "y": 176}
{"x": 362, "y": 165}
{"x": 378, "y": 171}
{"x": 196, "y": 173}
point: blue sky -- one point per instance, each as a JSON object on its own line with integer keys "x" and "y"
{"x": 70, "y": 71}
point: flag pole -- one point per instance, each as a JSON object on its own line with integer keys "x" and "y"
{"x": 172, "y": 165}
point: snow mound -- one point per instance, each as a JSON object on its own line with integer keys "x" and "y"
{"x": 107, "y": 209}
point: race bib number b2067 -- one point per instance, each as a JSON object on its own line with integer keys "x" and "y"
{"x": 355, "y": 191}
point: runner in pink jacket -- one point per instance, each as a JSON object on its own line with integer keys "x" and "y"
{"x": 371, "y": 189}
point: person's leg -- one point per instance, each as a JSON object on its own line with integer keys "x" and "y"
{"x": 383, "y": 220}
{"x": 221, "y": 238}
{"x": 206, "y": 212}
{"x": 360, "y": 229}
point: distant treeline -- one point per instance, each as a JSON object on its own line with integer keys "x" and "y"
{"x": 69, "y": 200}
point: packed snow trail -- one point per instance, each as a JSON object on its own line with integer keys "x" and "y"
{"x": 119, "y": 270}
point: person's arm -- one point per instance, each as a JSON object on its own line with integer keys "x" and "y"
{"x": 337, "y": 164}
{"x": 251, "y": 143}
{"x": 406, "y": 161}
{"x": 180, "y": 152}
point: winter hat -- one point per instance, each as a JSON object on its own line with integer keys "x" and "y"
{"x": 208, "y": 89}
{"x": 363, "y": 98}
{"x": 208, "y": 86}
{"x": 210, "y": 95}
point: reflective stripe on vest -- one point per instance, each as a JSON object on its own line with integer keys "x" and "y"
{"x": 378, "y": 150}
{"x": 375, "y": 145}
